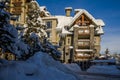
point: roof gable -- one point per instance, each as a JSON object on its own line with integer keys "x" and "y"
{"x": 86, "y": 13}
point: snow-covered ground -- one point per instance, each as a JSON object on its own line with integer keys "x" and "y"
{"x": 39, "y": 67}
{"x": 43, "y": 67}
{"x": 73, "y": 67}
{"x": 88, "y": 77}
{"x": 105, "y": 69}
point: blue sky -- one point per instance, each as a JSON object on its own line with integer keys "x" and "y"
{"x": 108, "y": 10}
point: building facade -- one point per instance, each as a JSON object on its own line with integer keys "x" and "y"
{"x": 78, "y": 37}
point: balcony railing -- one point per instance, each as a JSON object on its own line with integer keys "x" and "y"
{"x": 83, "y": 56}
{"x": 84, "y": 32}
{"x": 83, "y": 43}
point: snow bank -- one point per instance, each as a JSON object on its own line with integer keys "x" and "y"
{"x": 39, "y": 67}
{"x": 73, "y": 67}
{"x": 105, "y": 69}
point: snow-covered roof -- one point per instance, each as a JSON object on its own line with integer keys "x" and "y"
{"x": 62, "y": 21}
{"x": 100, "y": 22}
{"x": 99, "y": 30}
{"x": 65, "y": 31}
{"x": 81, "y": 11}
{"x": 68, "y": 8}
{"x": 44, "y": 9}
{"x": 71, "y": 29}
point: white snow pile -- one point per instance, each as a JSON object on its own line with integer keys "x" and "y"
{"x": 39, "y": 67}
{"x": 73, "y": 67}
{"x": 104, "y": 69}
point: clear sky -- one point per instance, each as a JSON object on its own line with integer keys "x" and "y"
{"x": 107, "y": 10}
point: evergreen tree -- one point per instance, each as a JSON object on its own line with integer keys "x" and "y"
{"x": 35, "y": 32}
{"x": 9, "y": 41}
{"x": 32, "y": 37}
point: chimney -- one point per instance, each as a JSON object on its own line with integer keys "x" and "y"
{"x": 68, "y": 11}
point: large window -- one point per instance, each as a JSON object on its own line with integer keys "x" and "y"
{"x": 49, "y": 24}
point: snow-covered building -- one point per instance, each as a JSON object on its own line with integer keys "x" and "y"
{"x": 78, "y": 36}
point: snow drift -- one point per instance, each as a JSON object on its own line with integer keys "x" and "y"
{"x": 39, "y": 67}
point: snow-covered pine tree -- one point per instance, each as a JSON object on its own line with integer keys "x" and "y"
{"x": 35, "y": 32}
{"x": 9, "y": 41}
{"x": 33, "y": 38}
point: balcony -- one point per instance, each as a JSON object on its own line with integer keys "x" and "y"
{"x": 16, "y": 10}
{"x": 84, "y": 34}
{"x": 17, "y": 3}
{"x": 83, "y": 44}
{"x": 84, "y": 31}
{"x": 82, "y": 56}
{"x": 83, "y": 50}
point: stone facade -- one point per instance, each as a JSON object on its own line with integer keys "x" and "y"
{"x": 84, "y": 42}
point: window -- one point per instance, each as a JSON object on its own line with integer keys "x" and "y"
{"x": 49, "y": 24}
{"x": 68, "y": 41}
{"x": 48, "y": 34}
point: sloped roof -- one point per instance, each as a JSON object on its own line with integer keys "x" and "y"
{"x": 81, "y": 11}
{"x": 100, "y": 22}
{"x": 62, "y": 21}
{"x": 68, "y": 21}
{"x": 99, "y": 30}
{"x": 44, "y": 9}
{"x": 65, "y": 31}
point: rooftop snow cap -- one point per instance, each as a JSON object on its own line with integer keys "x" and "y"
{"x": 68, "y": 11}
{"x": 76, "y": 11}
